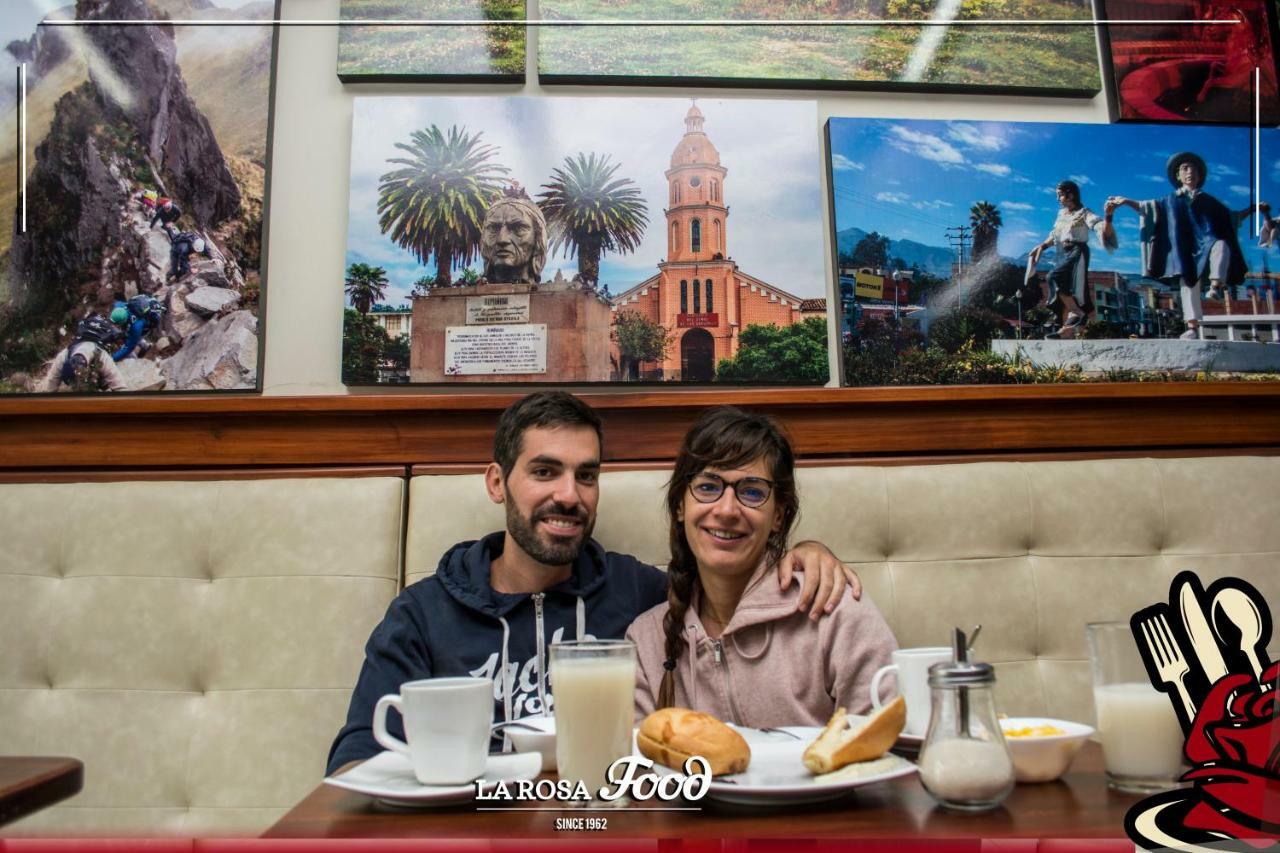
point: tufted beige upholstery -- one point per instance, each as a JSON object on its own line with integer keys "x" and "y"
{"x": 1032, "y": 551}
{"x": 194, "y": 643}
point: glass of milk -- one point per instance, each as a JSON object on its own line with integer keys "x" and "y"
{"x": 1142, "y": 739}
{"x": 594, "y": 683}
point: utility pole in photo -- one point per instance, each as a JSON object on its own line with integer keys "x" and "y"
{"x": 958, "y": 236}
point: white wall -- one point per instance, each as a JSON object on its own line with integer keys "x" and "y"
{"x": 310, "y": 163}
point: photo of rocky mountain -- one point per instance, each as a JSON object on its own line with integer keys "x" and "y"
{"x": 134, "y": 258}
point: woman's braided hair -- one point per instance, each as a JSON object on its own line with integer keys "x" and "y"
{"x": 723, "y": 438}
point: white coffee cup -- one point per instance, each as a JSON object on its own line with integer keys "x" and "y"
{"x": 446, "y": 724}
{"x": 912, "y": 669}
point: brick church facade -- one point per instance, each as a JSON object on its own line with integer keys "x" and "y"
{"x": 699, "y": 292}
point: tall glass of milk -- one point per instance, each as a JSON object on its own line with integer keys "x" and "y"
{"x": 594, "y": 683}
{"x": 1141, "y": 737}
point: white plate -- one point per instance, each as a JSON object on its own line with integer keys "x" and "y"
{"x": 777, "y": 775}
{"x": 389, "y": 777}
{"x": 910, "y": 742}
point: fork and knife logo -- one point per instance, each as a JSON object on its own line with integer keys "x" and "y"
{"x": 1206, "y": 649}
{"x": 1200, "y": 636}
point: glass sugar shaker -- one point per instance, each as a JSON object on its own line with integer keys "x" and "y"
{"x": 965, "y": 763}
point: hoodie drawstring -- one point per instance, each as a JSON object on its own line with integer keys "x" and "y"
{"x": 692, "y": 628}
{"x": 540, "y": 650}
{"x": 506, "y": 683}
{"x": 759, "y": 653}
{"x": 582, "y": 619}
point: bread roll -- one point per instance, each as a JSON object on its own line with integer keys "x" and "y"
{"x": 670, "y": 735}
{"x": 839, "y": 744}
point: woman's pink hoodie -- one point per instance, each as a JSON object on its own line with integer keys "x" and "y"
{"x": 772, "y": 666}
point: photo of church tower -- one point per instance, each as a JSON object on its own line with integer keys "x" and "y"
{"x": 699, "y": 293}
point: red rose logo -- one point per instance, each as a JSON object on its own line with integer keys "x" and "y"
{"x": 1235, "y": 747}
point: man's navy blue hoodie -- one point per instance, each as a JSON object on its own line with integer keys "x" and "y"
{"x": 454, "y": 623}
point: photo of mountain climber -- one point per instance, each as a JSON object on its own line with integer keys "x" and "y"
{"x": 167, "y": 213}
{"x": 183, "y": 243}
{"x": 86, "y": 364}
{"x": 144, "y": 315}
{"x": 146, "y": 174}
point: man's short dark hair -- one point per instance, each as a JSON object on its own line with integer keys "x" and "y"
{"x": 540, "y": 409}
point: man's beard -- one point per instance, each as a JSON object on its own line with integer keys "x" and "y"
{"x": 555, "y": 553}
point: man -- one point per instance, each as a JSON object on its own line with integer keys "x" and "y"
{"x": 144, "y": 314}
{"x": 493, "y": 606}
{"x": 183, "y": 244}
{"x": 167, "y": 213}
{"x": 1189, "y": 237}
{"x": 513, "y": 240}
{"x": 86, "y": 363}
{"x": 1068, "y": 280}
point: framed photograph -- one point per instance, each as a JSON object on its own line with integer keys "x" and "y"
{"x": 399, "y": 50}
{"x": 558, "y": 240}
{"x": 135, "y": 256}
{"x": 1207, "y": 73}
{"x": 662, "y": 43}
{"x": 1001, "y": 252}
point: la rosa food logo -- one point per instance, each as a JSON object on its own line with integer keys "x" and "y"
{"x": 1207, "y": 650}
{"x": 629, "y": 776}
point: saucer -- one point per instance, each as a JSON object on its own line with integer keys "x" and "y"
{"x": 388, "y": 776}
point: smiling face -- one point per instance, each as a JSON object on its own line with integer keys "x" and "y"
{"x": 552, "y": 492}
{"x": 728, "y": 538}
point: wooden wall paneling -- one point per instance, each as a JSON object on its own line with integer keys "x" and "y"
{"x": 167, "y": 433}
{"x": 196, "y": 475}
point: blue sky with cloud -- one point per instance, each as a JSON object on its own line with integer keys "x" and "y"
{"x": 770, "y": 147}
{"x": 913, "y": 179}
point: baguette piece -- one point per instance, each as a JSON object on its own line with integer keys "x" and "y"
{"x": 840, "y": 744}
{"x": 671, "y": 735}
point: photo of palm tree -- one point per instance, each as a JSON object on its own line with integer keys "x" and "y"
{"x": 621, "y": 260}
{"x": 590, "y": 211}
{"x": 835, "y": 44}
{"x": 433, "y": 204}
{"x": 379, "y": 41}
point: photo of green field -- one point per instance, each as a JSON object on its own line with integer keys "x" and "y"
{"x": 372, "y": 53}
{"x": 952, "y": 54}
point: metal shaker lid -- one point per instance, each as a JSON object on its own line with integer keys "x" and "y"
{"x": 961, "y": 674}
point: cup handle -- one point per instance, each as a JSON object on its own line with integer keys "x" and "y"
{"x": 380, "y": 733}
{"x": 875, "y": 688}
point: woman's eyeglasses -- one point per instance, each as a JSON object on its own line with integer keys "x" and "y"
{"x": 750, "y": 491}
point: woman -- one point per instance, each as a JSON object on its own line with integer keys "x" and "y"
{"x": 728, "y": 641}
{"x": 1069, "y": 278}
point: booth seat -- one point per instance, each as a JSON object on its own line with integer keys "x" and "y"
{"x": 193, "y": 643}
{"x": 1032, "y": 551}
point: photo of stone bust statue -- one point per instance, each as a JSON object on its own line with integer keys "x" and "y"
{"x": 513, "y": 240}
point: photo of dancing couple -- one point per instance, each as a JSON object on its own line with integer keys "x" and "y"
{"x": 1001, "y": 252}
